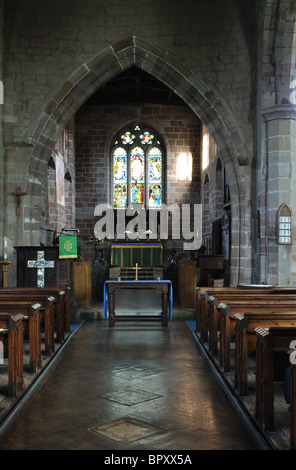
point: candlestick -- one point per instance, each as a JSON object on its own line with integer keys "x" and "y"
{"x": 5, "y": 248}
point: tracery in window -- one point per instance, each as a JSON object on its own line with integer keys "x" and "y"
{"x": 137, "y": 168}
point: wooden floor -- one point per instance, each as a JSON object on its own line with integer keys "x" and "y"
{"x": 131, "y": 387}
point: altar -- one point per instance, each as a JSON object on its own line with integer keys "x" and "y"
{"x": 138, "y": 301}
{"x": 126, "y": 256}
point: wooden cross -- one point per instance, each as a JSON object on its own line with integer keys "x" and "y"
{"x": 136, "y": 268}
{"x": 18, "y": 195}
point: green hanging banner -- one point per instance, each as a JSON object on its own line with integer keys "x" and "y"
{"x": 67, "y": 246}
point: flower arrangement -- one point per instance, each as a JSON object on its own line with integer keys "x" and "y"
{"x": 93, "y": 240}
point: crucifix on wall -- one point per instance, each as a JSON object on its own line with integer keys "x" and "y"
{"x": 18, "y": 195}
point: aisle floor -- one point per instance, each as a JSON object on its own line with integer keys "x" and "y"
{"x": 131, "y": 387}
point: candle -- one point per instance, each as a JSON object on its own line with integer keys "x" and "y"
{"x": 5, "y": 248}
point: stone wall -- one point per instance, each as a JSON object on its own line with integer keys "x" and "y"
{"x": 45, "y": 43}
{"x": 58, "y": 208}
{"x": 227, "y": 60}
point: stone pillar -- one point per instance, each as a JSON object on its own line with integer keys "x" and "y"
{"x": 278, "y": 262}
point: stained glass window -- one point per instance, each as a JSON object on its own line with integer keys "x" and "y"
{"x": 120, "y": 177}
{"x": 146, "y": 138}
{"x": 137, "y": 174}
{"x": 155, "y": 177}
{"x": 137, "y": 168}
{"x": 128, "y": 138}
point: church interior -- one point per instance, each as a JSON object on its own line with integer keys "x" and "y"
{"x": 147, "y": 224}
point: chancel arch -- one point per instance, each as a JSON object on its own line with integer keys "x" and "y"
{"x": 203, "y": 101}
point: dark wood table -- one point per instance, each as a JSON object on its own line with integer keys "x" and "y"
{"x": 162, "y": 287}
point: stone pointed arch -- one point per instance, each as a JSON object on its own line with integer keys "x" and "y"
{"x": 204, "y": 102}
{"x": 279, "y": 52}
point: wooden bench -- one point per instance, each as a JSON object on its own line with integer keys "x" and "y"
{"x": 205, "y": 292}
{"x": 264, "y": 408}
{"x": 210, "y": 323}
{"x": 227, "y": 320}
{"x": 293, "y": 408}
{"x": 63, "y": 308}
{"x": 11, "y": 334}
{"x": 245, "y": 339}
{"x": 47, "y": 313}
{"x": 62, "y": 304}
{"x": 31, "y": 315}
{"x": 211, "y": 315}
{"x": 222, "y": 294}
{"x": 270, "y": 343}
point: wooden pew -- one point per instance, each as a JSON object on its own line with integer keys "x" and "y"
{"x": 62, "y": 304}
{"x": 11, "y": 334}
{"x": 202, "y": 299}
{"x": 210, "y": 324}
{"x": 205, "y": 292}
{"x": 63, "y": 308}
{"x": 245, "y": 339}
{"x": 222, "y": 294}
{"x": 213, "y": 316}
{"x": 210, "y": 331}
{"x": 31, "y": 315}
{"x": 269, "y": 343}
{"x": 227, "y": 320}
{"x": 272, "y": 292}
{"x": 293, "y": 408}
{"x": 47, "y": 310}
{"x": 202, "y": 305}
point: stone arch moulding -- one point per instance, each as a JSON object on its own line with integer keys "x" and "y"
{"x": 111, "y": 61}
{"x": 279, "y": 51}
